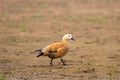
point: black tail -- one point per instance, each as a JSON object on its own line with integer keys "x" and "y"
{"x": 40, "y": 53}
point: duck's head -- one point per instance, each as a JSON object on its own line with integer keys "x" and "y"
{"x": 67, "y": 37}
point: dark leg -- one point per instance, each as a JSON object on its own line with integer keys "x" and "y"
{"x": 62, "y": 61}
{"x": 51, "y": 61}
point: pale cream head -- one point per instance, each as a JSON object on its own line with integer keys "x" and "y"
{"x": 67, "y": 37}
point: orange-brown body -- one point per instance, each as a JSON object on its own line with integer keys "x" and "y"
{"x": 61, "y": 49}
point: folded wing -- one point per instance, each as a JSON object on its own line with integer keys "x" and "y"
{"x": 55, "y": 50}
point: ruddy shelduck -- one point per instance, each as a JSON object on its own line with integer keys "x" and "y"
{"x": 56, "y": 50}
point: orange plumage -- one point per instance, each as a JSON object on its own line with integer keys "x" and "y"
{"x": 56, "y": 50}
{"x": 61, "y": 49}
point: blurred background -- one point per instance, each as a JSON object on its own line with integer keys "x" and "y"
{"x": 27, "y": 25}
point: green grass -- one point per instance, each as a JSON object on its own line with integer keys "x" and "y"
{"x": 13, "y": 39}
{"x": 95, "y": 19}
{"x": 88, "y": 19}
{"x": 2, "y": 77}
{"x": 18, "y": 41}
{"x": 23, "y": 29}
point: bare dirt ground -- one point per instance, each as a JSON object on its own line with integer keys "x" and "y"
{"x": 27, "y": 25}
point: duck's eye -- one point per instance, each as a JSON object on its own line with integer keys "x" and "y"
{"x": 69, "y": 36}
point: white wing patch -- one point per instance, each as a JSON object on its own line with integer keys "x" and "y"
{"x": 45, "y": 48}
{"x": 50, "y": 51}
